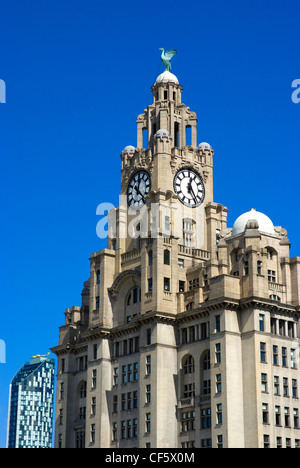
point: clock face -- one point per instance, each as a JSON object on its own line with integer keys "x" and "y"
{"x": 189, "y": 187}
{"x": 138, "y": 188}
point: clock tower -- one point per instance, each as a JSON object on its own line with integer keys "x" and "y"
{"x": 171, "y": 341}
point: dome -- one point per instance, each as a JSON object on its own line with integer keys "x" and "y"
{"x": 255, "y": 220}
{"x": 129, "y": 149}
{"x": 162, "y": 133}
{"x": 204, "y": 146}
{"x": 165, "y": 77}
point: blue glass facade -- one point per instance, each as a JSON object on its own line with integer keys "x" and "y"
{"x": 31, "y": 405}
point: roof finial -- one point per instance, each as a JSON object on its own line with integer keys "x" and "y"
{"x": 166, "y": 57}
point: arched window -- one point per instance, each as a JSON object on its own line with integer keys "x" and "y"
{"x": 271, "y": 253}
{"x": 188, "y": 365}
{"x": 132, "y": 304}
{"x": 167, "y": 257}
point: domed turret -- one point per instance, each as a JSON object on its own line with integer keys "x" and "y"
{"x": 166, "y": 77}
{"x": 162, "y": 133}
{"x": 253, "y": 220}
{"x": 204, "y": 146}
{"x": 129, "y": 149}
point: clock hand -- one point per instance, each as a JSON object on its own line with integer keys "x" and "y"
{"x": 137, "y": 189}
{"x": 190, "y": 190}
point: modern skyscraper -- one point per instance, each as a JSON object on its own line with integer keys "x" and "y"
{"x": 188, "y": 332}
{"x": 31, "y": 405}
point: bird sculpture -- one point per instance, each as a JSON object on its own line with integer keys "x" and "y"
{"x": 166, "y": 57}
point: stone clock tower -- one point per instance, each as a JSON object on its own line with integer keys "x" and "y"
{"x": 166, "y": 349}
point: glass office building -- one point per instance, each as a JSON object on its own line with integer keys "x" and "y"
{"x": 31, "y": 402}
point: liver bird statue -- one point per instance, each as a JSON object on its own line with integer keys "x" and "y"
{"x": 166, "y": 57}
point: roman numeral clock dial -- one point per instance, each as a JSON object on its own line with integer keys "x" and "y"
{"x": 138, "y": 188}
{"x": 189, "y": 187}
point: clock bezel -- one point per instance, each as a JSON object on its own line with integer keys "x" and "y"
{"x": 191, "y": 169}
{"x": 128, "y": 186}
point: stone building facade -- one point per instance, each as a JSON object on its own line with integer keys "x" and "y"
{"x": 187, "y": 335}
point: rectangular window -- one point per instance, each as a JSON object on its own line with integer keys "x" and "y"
{"x": 265, "y": 413}
{"x": 220, "y": 442}
{"x": 206, "y": 418}
{"x": 218, "y": 323}
{"x": 278, "y": 442}
{"x": 93, "y": 430}
{"x": 284, "y": 357}
{"x": 259, "y": 264}
{"x": 264, "y": 383}
{"x": 188, "y": 421}
{"x": 94, "y": 379}
{"x": 148, "y": 365}
{"x": 150, "y": 285}
{"x": 296, "y": 418}
{"x": 263, "y": 352}
{"x": 261, "y": 323}
{"x": 148, "y": 393}
{"x": 294, "y": 388}
{"x": 181, "y": 286}
{"x": 219, "y": 414}
{"x": 116, "y": 376}
{"x": 287, "y": 417}
{"x": 115, "y": 404}
{"x": 114, "y": 431}
{"x": 93, "y": 406}
{"x": 148, "y": 423}
{"x": 166, "y": 284}
{"x": 95, "y": 351}
{"x": 266, "y": 441}
{"x": 271, "y": 276}
{"x": 218, "y": 353}
{"x": 218, "y": 383}
{"x": 275, "y": 355}
{"x": 277, "y": 416}
{"x": 97, "y": 302}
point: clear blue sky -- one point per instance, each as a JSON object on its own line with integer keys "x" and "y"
{"x": 77, "y": 75}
